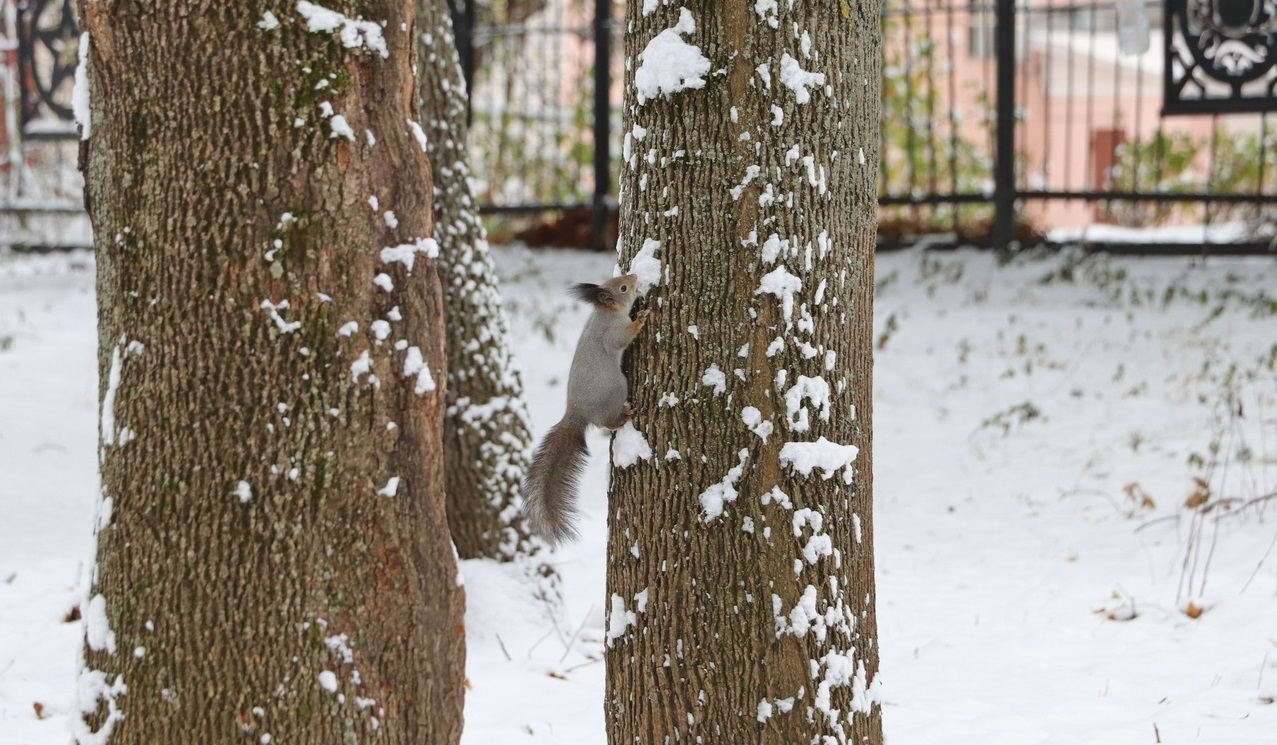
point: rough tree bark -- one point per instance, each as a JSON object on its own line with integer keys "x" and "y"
{"x": 487, "y": 433}
{"x": 740, "y": 554}
{"x": 273, "y": 557}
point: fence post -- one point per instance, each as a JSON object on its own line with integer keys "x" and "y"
{"x": 1004, "y": 190}
{"x": 462, "y": 12}
{"x": 602, "y": 119}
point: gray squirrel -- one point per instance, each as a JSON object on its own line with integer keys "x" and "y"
{"x": 596, "y": 395}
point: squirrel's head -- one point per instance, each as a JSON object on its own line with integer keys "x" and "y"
{"x": 618, "y": 293}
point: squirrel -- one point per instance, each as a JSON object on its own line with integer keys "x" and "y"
{"x": 596, "y": 395}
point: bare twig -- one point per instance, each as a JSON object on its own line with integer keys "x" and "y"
{"x": 587, "y": 663}
{"x": 575, "y": 634}
{"x": 1260, "y": 563}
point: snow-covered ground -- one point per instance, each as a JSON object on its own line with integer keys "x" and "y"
{"x": 1039, "y": 427}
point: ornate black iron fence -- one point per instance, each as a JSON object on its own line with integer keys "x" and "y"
{"x": 40, "y": 187}
{"x": 1003, "y": 119}
{"x": 1007, "y": 119}
{"x": 543, "y": 108}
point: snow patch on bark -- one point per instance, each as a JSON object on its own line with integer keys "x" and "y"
{"x": 647, "y": 266}
{"x": 415, "y": 364}
{"x": 783, "y": 286}
{"x": 80, "y": 91}
{"x": 816, "y": 390}
{"x": 795, "y": 78}
{"x": 753, "y": 419}
{"x": 629, "y": 446}
{"x": 715, "y": 378}
{"x": 406, "y": 253}
{"x": 91, "y": 689}
{"x": 619, "y": 619}
{"x": 390, "y": 489}
{"x": 97, "y": 628}
{"x": 354, "y": 33}
{"x": 716, "y": 496}
{"x": 828, "y": 456}
{"x": 668, "y": 64}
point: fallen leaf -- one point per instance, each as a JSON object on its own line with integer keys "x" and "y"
{"x": 39, "y": 710}
{"x": 1194, "y": 610}
{"x": 1201, "y": 494}
{"x": 1136, "y": 494}
{"x": 72, "y": 615}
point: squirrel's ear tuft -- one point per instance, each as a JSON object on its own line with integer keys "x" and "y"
{"x": 592, "y": 294}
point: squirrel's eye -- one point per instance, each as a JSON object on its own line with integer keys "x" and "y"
{"x": 625, "y": 288}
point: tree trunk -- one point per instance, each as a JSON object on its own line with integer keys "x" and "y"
{"x": 274, "y": 562}
{"x": 740, "y": 553}
{"x": 487, "y": 433}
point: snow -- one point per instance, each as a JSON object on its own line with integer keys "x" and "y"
{"x": 780, "y": 283}
{"x": 717, "y": 495}
{"x": 1004, "y": 543}
{"x": 269, "y": 21}
{"x": 768, "y": 12}
{"x": 97, "y": 629}
{"x": 80, "y": 90}
{"x": 361, "y": 366}
{"x": 619, "y": 619}
{"x": 107, "y": 428}
{"x": 646, "y": 266}
{"x": 668, "y": 64}
{"x": 328, "y": 681}
{"x": 406, "y": 253}
{"x": 419, "y": 135}
{"x": 92, "y": 688}
{"x": 715, "y": 378}
{"x": 753, "y": 419}
{"x": 751, "y": 173}
{"x": 340, "y": 128}
{"x": 415, "y": 365}
{"x": 828, "y": 456}
{"x": 390, "y": 489}
{"x": 795, "y": 78}
{"x": 284, "y": 327}
{"x": 244, "y": 491}
{"x": 629, "y": 446}
{"x": 354, "y": 33}
{"x": 815, "y": 390}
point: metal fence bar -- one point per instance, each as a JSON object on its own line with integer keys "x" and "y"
{"x": 1004, "y": 187}
{"x": 602, "y": 120}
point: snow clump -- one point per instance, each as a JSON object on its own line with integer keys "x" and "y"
{"x": 354, "y": 33}
{"x": 668, "y": 64}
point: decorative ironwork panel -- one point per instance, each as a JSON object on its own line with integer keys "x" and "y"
{"x": 1221, "y": 56}
{"x": 48, "y": 48}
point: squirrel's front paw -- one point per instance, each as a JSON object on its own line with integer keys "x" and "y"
{"x": 642, "y": 316}
{"x": 627, "y": 410}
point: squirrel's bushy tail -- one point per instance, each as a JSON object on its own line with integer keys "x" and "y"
{"x": 549, "y": 491}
